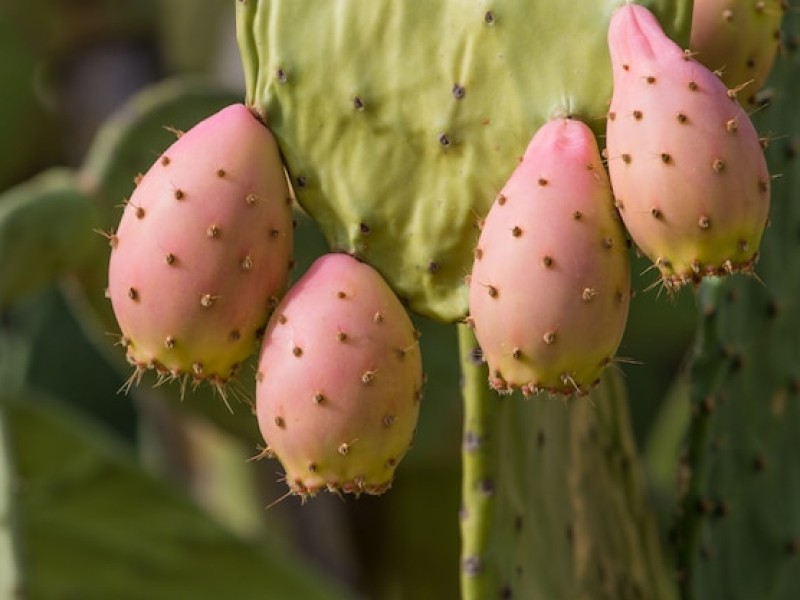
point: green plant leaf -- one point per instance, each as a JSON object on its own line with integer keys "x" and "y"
{"x": 94, "y": 525}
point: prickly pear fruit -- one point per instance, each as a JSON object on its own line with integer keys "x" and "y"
{"x": 550, "y": 285}
{"x": 339, "y": 380}
{"x": 202, "y": 250}
{"x": 685, "y": 161}
{"x": 739, "y": 38}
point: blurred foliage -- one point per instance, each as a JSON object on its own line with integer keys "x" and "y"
{"x": 94, "y": 525}
{"x": 24, "y": 124}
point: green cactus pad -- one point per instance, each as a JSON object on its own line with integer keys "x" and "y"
{"x": 400, "y": 123}
{"x": 45, "y": 231}
{"x": 553, "y": 504}
{"x": 89, "y": 506}
{"x": 738, "y": 532}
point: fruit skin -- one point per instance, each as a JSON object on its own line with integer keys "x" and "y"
{"x": 202, "y": 250}
{"x": 740, "y": 38}
{"x": 339, "y": 380}
{"x": 550, "y": 286}
{"x": 685, "y": 161}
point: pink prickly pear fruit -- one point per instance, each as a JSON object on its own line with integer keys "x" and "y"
{"x": 339, "y": 380}
{"x": 685, "y": 161}
{"x": 550, "y": 285}
{"x": 739, "y": 38}
{"x": 202, "y": 250}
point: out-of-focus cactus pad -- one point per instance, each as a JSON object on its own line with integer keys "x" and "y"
{"x": 738, "y": 534}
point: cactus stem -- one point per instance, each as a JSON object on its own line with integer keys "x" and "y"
{"x": 477, "y": 480}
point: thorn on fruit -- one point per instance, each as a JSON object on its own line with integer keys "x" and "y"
{"x": 207, "y": 300}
